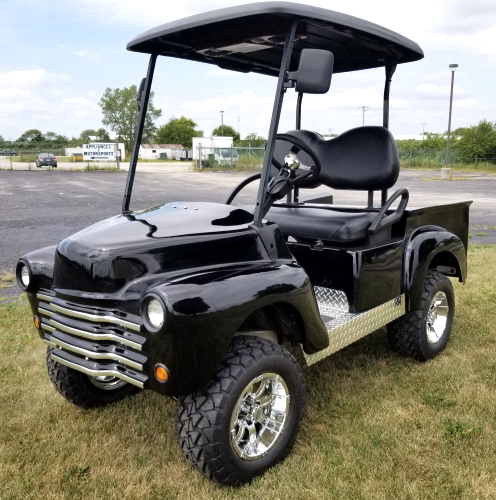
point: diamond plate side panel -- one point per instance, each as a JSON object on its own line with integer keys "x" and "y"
{"x": 328, "y": 297}
{"x": 359, "y": 326}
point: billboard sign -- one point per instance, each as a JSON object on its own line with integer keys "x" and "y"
{"x": 99, "y": 151}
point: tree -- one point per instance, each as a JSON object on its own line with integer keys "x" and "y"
{"x": 254, "y": 140}
{"x": 178, "y": 131}
{"x": 478, "y": 141}
{"x": 120, "y": 113}
{"x": 61, "y": 139}
{"x": 226, "y": 131}
{"x": 102, "y": 135}
{"x": 32, "y": 135}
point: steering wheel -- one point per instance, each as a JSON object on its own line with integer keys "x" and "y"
{"x": 306, "y": 173}
{"x": 298, "y": 178}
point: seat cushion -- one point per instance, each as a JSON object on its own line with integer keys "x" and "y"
{"x": 321, "y": 223}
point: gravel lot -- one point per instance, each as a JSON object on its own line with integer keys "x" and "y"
{"x": 40, "y": 207}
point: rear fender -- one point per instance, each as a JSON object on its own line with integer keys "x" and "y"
{"x": 431, "y": 248}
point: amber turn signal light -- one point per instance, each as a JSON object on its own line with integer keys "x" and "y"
{"x": 37, "y": 323}
{"x": 161, "y": 373}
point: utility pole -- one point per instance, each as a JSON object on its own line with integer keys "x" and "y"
{"x": 363, "y": 108}
{"x": 446, "y": 170}
{"x": 222, "y": 123}
{"x": 238, "y": 129}
{"x": 423, "y": 130}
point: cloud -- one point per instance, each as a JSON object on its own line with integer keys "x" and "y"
{"x": 432, "y": 91}
{"x": 39, "y": 99}
{"x": 91, "y": 56}
{"x": 81, "y": 101}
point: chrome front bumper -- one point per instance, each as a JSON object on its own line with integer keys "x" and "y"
{"x": 92, "y": 340}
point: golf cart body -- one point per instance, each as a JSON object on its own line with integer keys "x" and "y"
{"x": 313, "y": 275}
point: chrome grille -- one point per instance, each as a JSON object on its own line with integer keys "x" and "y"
{"x": 93, "y": 340}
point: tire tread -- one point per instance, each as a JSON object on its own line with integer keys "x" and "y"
{"x": 198, "y": 413}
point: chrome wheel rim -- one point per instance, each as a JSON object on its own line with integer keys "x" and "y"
{"x": 437, "y": 317}
{"x": 260, "y": 416}
{"x": 107, "y": 383}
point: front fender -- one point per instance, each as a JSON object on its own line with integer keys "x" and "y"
{"x": 204, "y": 311}
{"x": 421, "y": 249}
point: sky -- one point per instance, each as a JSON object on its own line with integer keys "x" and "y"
{"x": 59, "y": 56}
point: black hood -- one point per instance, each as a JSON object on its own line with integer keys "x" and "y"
{"x": 112, "y": 253}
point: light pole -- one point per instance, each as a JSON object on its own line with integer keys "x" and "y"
{"x": 446, "y": 170}
{"x": 238, "y": 128}
{"x": 222, "y": 123}
{"x": 363, "y": 108}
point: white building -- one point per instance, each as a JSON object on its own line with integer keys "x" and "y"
{"x": 208, "y": 144}
{"x": 154, "y": 151}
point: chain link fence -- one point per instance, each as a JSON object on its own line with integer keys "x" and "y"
{"x": 247, "y": 158}
{"x": 12, "y": 159}
{"x": 242, "y": 158}
{"x": 436, "y": 159}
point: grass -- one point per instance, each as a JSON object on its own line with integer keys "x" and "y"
{"x": 377, "y": 426}
{"x": 7, "y": 279}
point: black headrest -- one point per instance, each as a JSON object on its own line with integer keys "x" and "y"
{"x": 363, "y": 159}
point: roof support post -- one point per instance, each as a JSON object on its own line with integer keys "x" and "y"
{"x": 274, "y": 123}
{"x": 390, "y": 69}
{"x": 143, "y": 106}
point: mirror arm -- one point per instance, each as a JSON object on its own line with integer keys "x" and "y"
{"x": 298, "y": 110}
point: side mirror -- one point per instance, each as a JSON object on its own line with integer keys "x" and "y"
{"x": 314, "y": 72}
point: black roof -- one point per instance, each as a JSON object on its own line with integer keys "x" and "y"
{"x": 251, "y": 38}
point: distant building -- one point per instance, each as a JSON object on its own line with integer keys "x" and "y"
{"x": 157, "y": 151}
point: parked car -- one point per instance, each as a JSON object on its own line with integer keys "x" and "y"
{"x": 46, "y": 160}
{"x": 7, "y": 152}
{"x": 220, "y": 307}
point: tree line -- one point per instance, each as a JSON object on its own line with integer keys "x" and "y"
{"x": 477, "y": 141}
{"x": 120, "y": 113}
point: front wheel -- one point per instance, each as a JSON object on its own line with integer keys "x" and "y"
{"x": 424, "y": 333}
{"x": 85, "y": 391}
{"x": 247, "y": 417}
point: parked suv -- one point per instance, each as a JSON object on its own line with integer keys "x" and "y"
{"x": 7, "y": 152}
{"x": 46, "y": 159}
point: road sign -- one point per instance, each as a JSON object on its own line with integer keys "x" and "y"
{"x": 99, "y": 151}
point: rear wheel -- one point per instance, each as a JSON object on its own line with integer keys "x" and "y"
{"x": 83, "y": 390}
{"x": 424, "y": 333}
{"x": 247, "y": 417}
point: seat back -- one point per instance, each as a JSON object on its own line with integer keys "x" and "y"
{"x": 363, "y": 159}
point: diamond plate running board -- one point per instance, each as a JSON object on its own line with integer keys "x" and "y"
{"x": 344, "y": 327}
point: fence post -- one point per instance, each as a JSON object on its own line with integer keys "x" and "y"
{"x": 410, "y": 161}
{"x": 476, "y": 162}
{"x": 117, "y": 155}
{"x": 232, "y": 165}
{"x": 199, "y": 149}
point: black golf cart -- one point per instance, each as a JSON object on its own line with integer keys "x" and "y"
{"x": 219, "y": 306}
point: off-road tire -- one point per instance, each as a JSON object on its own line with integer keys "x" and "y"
{"x": 203, "y": 418}
{"x": 408, "y": 335}
{"x": 76, "y": 387}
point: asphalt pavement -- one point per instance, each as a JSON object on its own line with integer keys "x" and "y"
{"x": 41, "y": 207}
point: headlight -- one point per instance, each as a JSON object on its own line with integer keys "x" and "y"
{"x": 25, "y": 278}
{"x": 23, "y": 275}
{"x": 154, "y": 313}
